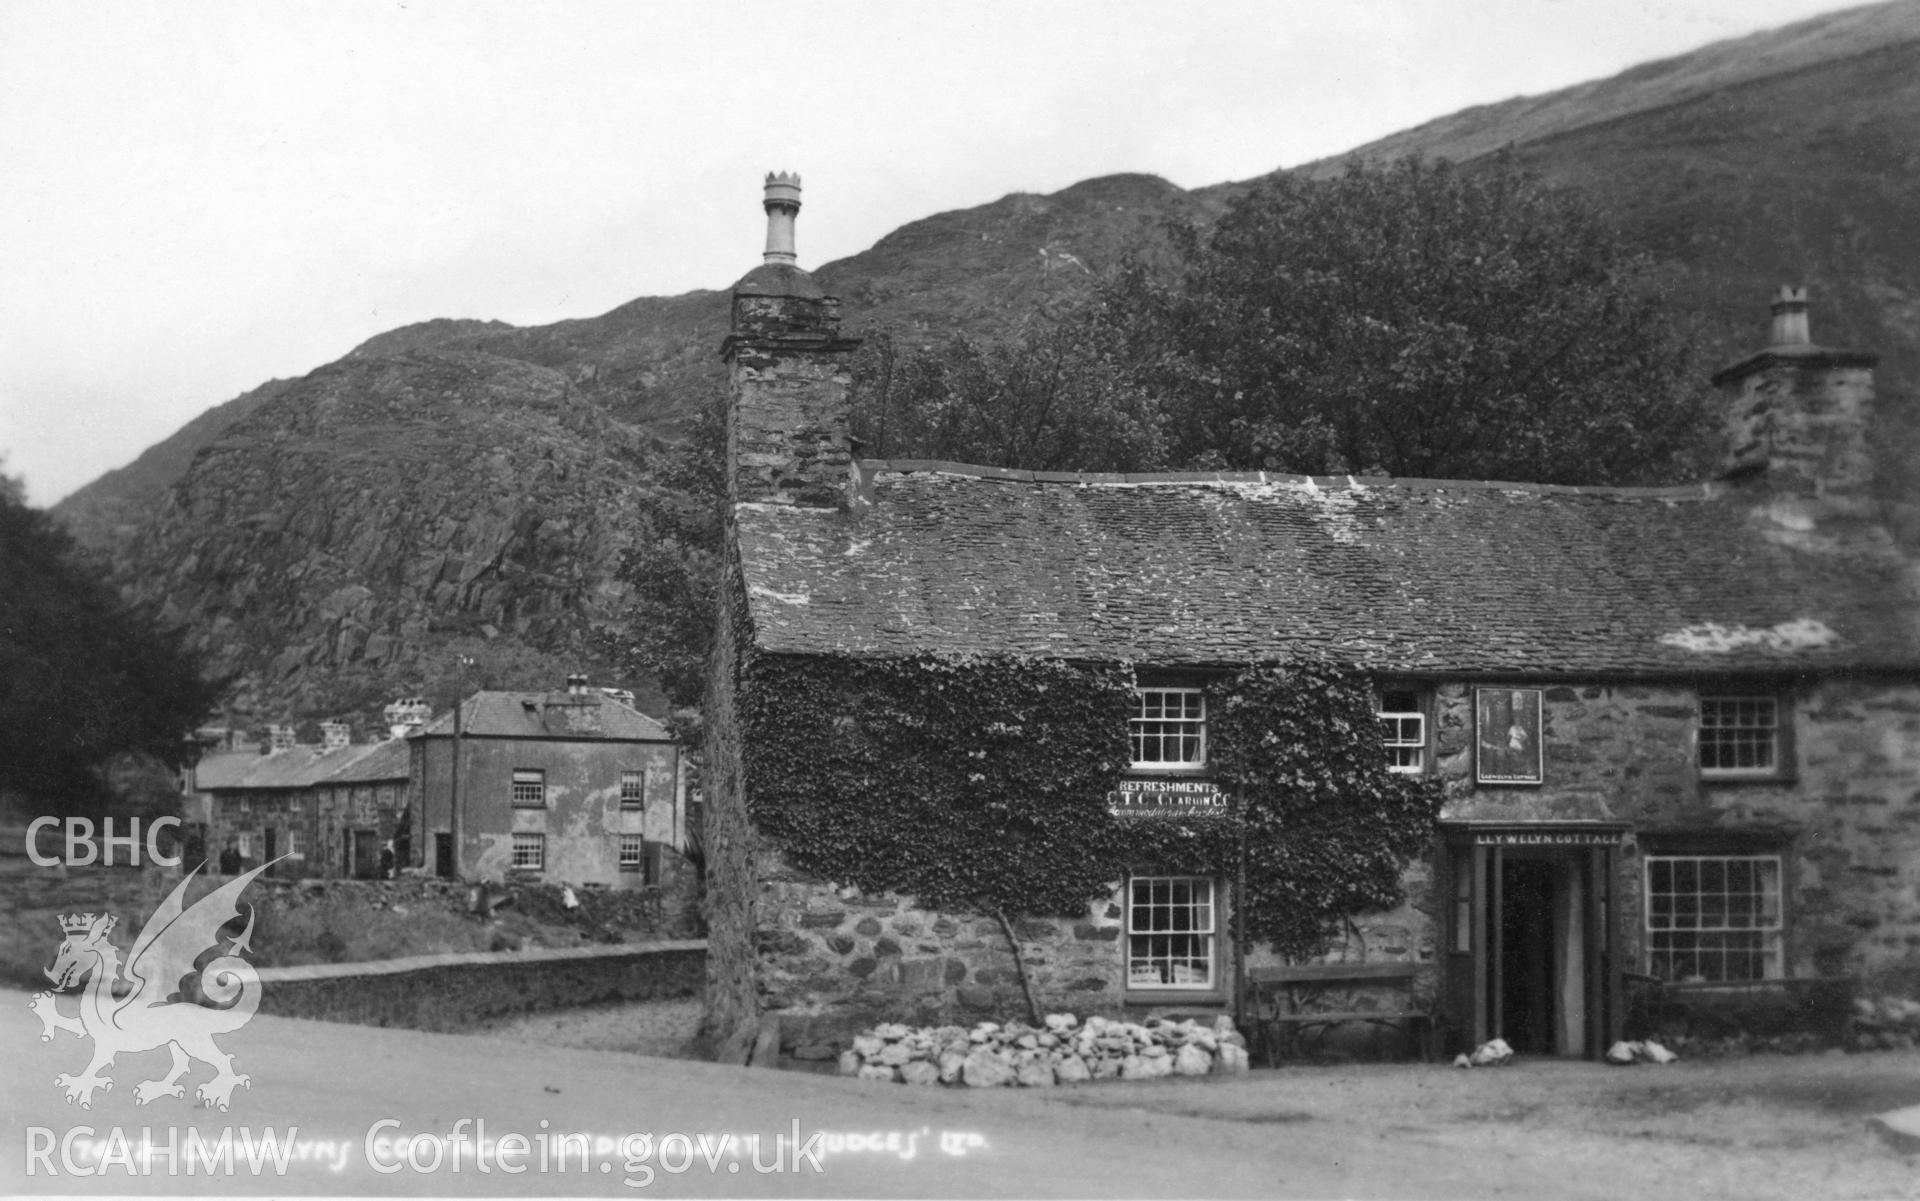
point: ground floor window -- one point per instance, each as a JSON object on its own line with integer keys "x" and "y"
{"x": 530, "y": 851}
{"x": 1713, "y": 918}
{"x": 1170, "y": 932}
{"x": 633, "y": 851}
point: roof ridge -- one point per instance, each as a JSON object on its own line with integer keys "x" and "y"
{"x": 1704, "y": 490}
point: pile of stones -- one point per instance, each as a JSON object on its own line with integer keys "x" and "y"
{"x": 1887, "y": 1023}
{"x": 1063, "y": 1050}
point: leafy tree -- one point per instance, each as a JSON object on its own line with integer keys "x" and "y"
{"x": 1416, "y": 320}
{"x": 1059, "y": 396}
{"x": 1419, "y": 320}
{"x": 85, "y": 679}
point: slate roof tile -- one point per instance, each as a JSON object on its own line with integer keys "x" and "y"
{"x": 1393, "y": 575}
{"x": 303, "y": 766}
{"x": 591, "y": 715}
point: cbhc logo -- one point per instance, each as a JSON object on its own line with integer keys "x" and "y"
{"x": 81, "y": 850}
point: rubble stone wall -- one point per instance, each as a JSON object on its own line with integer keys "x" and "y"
{"x": 1845, "y": 815}
{"x": 1845, "y": 818}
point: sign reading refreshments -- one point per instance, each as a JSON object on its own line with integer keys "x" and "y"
{"x": 1143, "y": 796}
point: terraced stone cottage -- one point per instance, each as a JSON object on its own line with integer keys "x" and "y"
{"x": 1678, "y": 729}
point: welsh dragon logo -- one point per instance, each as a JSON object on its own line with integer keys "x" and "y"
{"x": 156, "y": 1004}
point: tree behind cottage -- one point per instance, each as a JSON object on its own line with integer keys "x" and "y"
{"x": 1415, "y": 320}
{"x": 84, "y": 678}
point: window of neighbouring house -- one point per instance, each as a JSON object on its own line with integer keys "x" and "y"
{"x": 530, "y": 852}
{"x": 633, "y": 788}
{"x": 529, "y": 788}
{"x": 1170, "y": 932}
{"x": 1169, "y": 727}
{"x": 296, "y": 844}
{"x": 1403, "y": 730}
{"x": 1739, "y": 736}
{"x": 1713, "y": 918}
{"x": 633, "y": 852}
{"x": 244, "y": 844}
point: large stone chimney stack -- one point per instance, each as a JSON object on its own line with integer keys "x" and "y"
{"x": 788, "y": 441}
{"x": 1798, "y": 413}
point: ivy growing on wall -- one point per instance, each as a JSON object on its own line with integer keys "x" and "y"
{"x": 967, "y": 782}
{"x": 982, "y": 783}
{"x": 1329, "y": 828}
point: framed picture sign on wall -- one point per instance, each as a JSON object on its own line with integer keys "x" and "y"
{"x": 1506, "y": 724}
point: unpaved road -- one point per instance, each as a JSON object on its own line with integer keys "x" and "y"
{"x": 1533, "y": 1130}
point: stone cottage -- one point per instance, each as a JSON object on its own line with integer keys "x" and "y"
{"x": 330, "y": 809}
{"x": 1678, "y": 728}
{"x": 570, "y": 786}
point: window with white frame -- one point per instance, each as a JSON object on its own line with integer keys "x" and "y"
{"x": 1169, "y": 727}
{"x": 529, "y": 788}
{"x": 1739, "y": 735}
{"x": 1713, "y": 918}
{"x": 633, "y": 788}
{"x": 1170, "y": 932}
{"x": 530, "y": 852}
{"x": 633, "y": 852}
{"x": 296, "y": 844}
{"x": 1403, "y": 730}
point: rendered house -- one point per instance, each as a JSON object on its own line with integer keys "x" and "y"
{"x": 1678, "y": 728}
{"x": 570, "y": 786}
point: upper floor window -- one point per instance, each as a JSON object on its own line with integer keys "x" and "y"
{"x": 1739, "y": 736}
{"x": 1169, "y": 727}
{"x": 1403, "y": 730}
{"x": 529, "y": 787}
{"x": 633, "y": 788}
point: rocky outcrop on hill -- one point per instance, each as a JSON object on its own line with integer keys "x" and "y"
{"x": 331, "y": 546}
{"x": 107, "y": 513}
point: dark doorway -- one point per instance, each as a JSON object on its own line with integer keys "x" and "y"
{"x": 1526, "y": 977}
{"x": 443, "y": 854}
{"x": 273, "y": 848}
{"x": 366, "y": 854}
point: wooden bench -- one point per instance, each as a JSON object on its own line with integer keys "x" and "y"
{"x": 1276, "y": 995}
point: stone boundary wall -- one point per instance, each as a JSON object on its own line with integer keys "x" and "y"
{"x": 452, "y": 992}
{"x": 32, "y": 900}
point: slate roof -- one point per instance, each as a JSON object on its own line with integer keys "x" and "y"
{"x": 382, "y": 761}
{"x": 591, "y": 715}
{"x": 302, "y": 767}
{"x": 1391, "y": 575}
{"x": 224, "y": 770}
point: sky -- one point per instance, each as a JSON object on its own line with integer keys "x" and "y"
{"x": 197, "y": 197}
